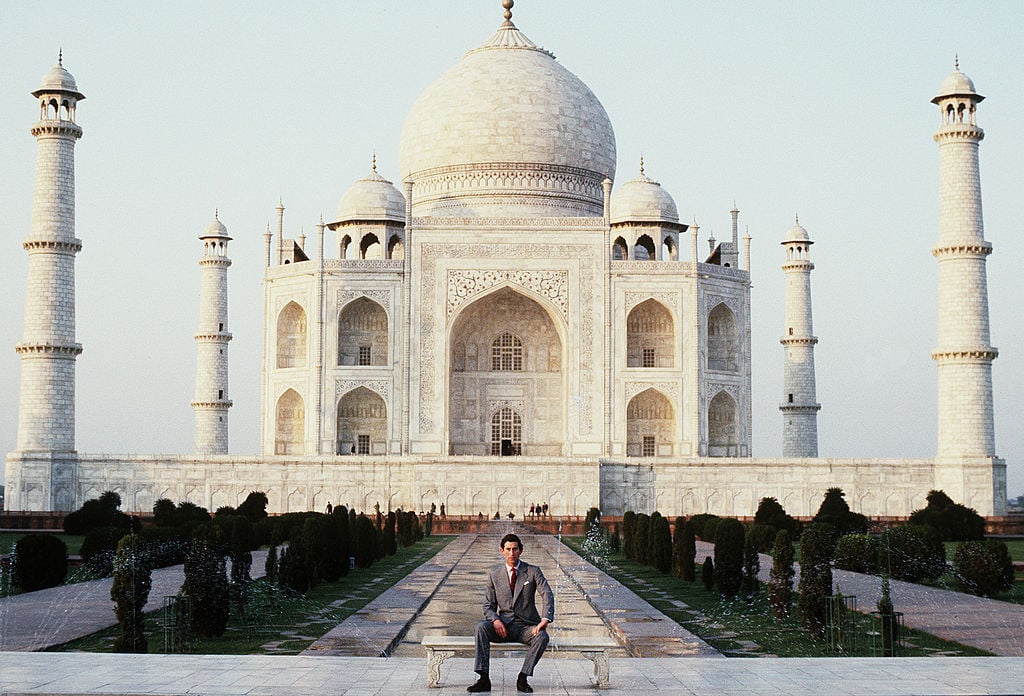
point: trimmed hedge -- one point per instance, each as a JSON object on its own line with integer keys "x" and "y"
{"x": 911, "y": 552}
{"x": 951, "y": 521}
{"x": 857, "y": 552}
{"x": 40, "y": 561}
{"x": 983, "y": 567}
{"x": 815, "y": 578}
{"x": 780, "y": 584}
{"x": 729, "y": 539}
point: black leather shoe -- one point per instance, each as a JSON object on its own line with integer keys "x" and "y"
{"x": 482, "y": 684}
{"x": 522, "y": 685}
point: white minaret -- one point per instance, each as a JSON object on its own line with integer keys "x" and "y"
{"x": 964, "y": 354}
{"x": 46, "y": 411}
{"x": 211, "y": 396}
{"x": 799, "y": 406}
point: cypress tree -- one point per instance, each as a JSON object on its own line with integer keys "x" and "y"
{"x": 206, "y": 582}
{"x": 390, "y": 545}
{"x": 689, "y": 551}
{"x": 677, "y": 547}
{"x": 642, "y": 539}
{"x": 363, "y": 542}
{"x": 344, "y": 538}
{"x": 815, "y": 578}
{"x": 729, "y": 539}
{"x": 751, "y": 565}
{"x": 707, "y": 573}
{"x": 661, "y": 545}
{"x": 780, "y": 586}
{"x": 130, "y": 591}
{"x": 628, "y": 532}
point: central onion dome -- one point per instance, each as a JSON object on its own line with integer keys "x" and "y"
{"x": 507, "y": 131}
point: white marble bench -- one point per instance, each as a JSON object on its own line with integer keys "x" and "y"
{"x": 594, "y": 648}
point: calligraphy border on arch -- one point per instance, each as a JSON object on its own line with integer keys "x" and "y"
{"x": 381, "y": 387}
{"x": 465, "y": 284}
{"x": 671, "y": 389}
{"x": 380, "y": 296}
{"x": 431, "y": 253}
{"x": 669, "y": 299}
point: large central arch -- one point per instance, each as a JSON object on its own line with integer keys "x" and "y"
{"x": 506, "y": 355}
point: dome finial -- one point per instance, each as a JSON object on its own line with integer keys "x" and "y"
{"x": 796, "y": 218}
{"x": 956, "y": 61}
{"x": 507, "y": 4}
{"x": 641, "y": 164}
{"x": 216, "y": 213}
{"x": 373, "y": 161}
{"x": 60, "y": 56}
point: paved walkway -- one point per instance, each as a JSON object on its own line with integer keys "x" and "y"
{"x": 29, "y": 622}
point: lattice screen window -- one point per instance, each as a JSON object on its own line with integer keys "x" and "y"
{"x": 362, "y": 444}
{"x": 648, "y": 446}
{"x": 507, "y": 353}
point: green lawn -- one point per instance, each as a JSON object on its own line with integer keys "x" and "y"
{"x": 741, "y": 629}
{"x": 277, "y": 623}
{"x": 7, "y": 539}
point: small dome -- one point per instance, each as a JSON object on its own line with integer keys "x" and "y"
{"x": 957, "y": 85}
{"x": 643, "y": 200}
{"x": 797, "y": 234}
{"x": 59, "y": 80}
{"x": 372, "y": 198}
{"x": 216, "y": 228}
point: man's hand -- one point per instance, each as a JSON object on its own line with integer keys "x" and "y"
{"x": 539, "y": 627}
{"x": 500, "y": 629}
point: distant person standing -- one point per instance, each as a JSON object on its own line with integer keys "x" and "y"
{"x": 510, "y": 614}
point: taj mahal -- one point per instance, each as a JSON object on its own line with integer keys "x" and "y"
{"x": 501, "y": 321}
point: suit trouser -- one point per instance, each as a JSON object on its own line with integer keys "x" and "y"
{"x": 517, "y": 632}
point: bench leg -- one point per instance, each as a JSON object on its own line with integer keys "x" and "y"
{"x": 434, "y": 660}
{"x": 601, "y": 668}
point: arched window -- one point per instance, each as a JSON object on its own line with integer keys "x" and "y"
{"x": 344, "y": 246}
{"x": 620, "y": 252}
{"x": 363, "y": 334}
{"x": 396, "y": 248}
{"x": 669, "y": 249}
{"x": 723, "y": 431}
{"x": 370, "y": 247}
{"x": 291, "y": 336}
{"x": 723, "y": 340}
{"x": 507, "y": 353}
{"x": 362, "y": 423}
{"x": 644, "y": 250}
{"x": 506, "y": 433}
{"x": 650, "y": 424}
{"x": 290, "y": 425}
{"x": 650, "y": 336}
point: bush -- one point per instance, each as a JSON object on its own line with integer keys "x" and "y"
{"x": 341, "y": 518}
{"x": 40, "y": 561}
{"x": 729, "y": 541}
{"x": 815, "y": 578}
{"x": 165, "y": 546}
{"x": 593, "y": 520}
{"x": 951, "y": 521}
{"x": 98, "y": 549}
{"x": 206, "y": 582}
{"x": 270, "y": 565}
{"x": 130, "y": 592}
{"x": 858, "y": 553}
{"x": 707, "y": 573}
{"x": 642, "y": 539}
{"x": 762, "y": 536}
{"x": 363, "y": 542}
{"x": 254, "y": 507}
{"x": 698, "y": 522}
{"x": 390, "y": 545}
{"x": 678, "y": 542}
{"x": 770, "y": 512}
{"x": 689, "y": 551}
{"x": 751, "y": 564}
{"x": 983, "y": 567}
{"x": 661, "y": 545}
{"x": 711, "y": 529}
{"x": 97, "y": 512}
{"x": 911, "y": 552}
{"x": 835, "y": 511}
{"x": 628, "y": 530}
{"x": 780, "y": 584}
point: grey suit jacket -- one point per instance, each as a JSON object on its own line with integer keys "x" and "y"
{"x": 501, "y": 603}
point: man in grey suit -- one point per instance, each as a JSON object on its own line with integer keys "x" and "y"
{"x": 510, "y": 613}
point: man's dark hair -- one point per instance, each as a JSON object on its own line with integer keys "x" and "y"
{"x": 513, "y": 538}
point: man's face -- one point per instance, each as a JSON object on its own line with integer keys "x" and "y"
{"x": 511, "y": 551}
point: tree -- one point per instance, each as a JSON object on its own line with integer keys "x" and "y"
{"x": 628, "y": 530}
{"x": 677, "y": 547}
{"x": 751, "y": 564}
{"x": 206, "y": 582}
{"x": 341, "y": 517}
{"x": 911, "y": 552}
{"x": 98, "y": 512}
{"x": 363, "y": 542}
{"x": 951, "y": 521}
{"x": 780, "y": 584}
{"x": 40, "y": 561}
{"x": 770, "y": 512}
{"x": 661, "y": 545}
{"x": 130, "y": 592}
{"x": 689, "y": 553}
{"x": 983, "y": 567}
{"x": 390, "y": 546}
{"x": 270, "y": 565}
{"x": 707, "y": 573}
{"x": 729, "y": 538}
{"x": 836, "y": 512}
{"x": 642, "y": 539}
{"x": 815, "y": 578}
{"x": 254, "y": 507}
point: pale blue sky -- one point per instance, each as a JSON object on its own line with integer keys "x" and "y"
{"x": 820, "y": 109}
